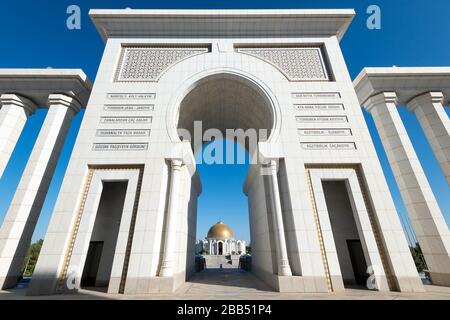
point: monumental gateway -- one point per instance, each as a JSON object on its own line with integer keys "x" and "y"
{"x": 321, "y": 213}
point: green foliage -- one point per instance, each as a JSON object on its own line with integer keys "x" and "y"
{"x": 248, "y": 249}
{"x": 419, "y": 260}
{"x": 31, "y": 258}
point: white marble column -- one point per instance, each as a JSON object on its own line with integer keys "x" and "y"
{"x": 23, "y": 213}
{"x": 284, "y": 268}
{"x": 13, "y": 115}
{"x": 171, "y": 223}
{"x": 435, "y": 123}
{"x": 425, "y": 215}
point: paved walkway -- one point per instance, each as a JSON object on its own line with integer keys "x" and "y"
{"x": 213, "y": 283}
{"x": 230, "y": 284}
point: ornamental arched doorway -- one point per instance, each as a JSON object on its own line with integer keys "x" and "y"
{"x": 220, "y": 248}
{"x": 215, "y": 106}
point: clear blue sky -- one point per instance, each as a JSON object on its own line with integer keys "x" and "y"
{"x": 34, "y": 35}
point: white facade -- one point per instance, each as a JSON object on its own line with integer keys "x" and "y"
{"x": 220, "y": 241}
{"x": 220, "y": 247}
{"x": 278, "y": 70}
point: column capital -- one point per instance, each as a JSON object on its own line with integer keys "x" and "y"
{"x": 270, "y": 163}
{"x": 383, "y": 97}
{"x": 424, "y": 99}
{"x": 182, "y": 151}
{"x": 19, "y": 101}
{"x": 176, "y": 164}
{"x": 64, "y": 100}
{"x": 269, "y": 166}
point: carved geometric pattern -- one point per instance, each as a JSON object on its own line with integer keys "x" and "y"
{"x": 147, "y": 64}
{"x": 298, "y": 64}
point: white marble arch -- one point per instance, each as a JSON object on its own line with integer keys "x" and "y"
{"x": 86, "y": 225}
{"x": 270, "y": 202}
{"x": 173, "y": 108}
{"x": 366, "y": 235}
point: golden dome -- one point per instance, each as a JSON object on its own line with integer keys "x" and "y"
{"x": 220, "y": 231}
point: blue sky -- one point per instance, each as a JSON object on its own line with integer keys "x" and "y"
{"x": 34, "y": 35}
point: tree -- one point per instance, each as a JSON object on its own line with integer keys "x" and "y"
{"x": 31, "y": 258}
{"x": 248, "y": 249}
{"x": 419, "y": 260}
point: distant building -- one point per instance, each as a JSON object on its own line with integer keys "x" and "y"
{"x": 220, "y": 241}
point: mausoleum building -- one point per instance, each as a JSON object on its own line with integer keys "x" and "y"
{"x": 220, "y": 241}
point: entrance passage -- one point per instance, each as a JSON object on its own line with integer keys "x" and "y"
{"x": 232, "y": 109}
{"x": 218, "y": 282}
{"x": 345, "y": 233}
{"x": 100, "y": 256}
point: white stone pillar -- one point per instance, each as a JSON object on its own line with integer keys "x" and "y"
{"x": 426, "y": 217}
{"x": 435, "y": 123}
{"x": 284, "y": 268}
{"x": 23, "y": 213}
{"x": 171, "y": 223}
{"x": 13, "y": 115}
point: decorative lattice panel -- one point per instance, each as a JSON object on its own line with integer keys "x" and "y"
{"x": 298, "y": 64}
{"x": 148, "y": 63}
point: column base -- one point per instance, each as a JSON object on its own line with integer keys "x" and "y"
{"x": 154, "y": 284}
{"x": 301, "y": 284}
{"x": 440, "y": 279}
{"x": 410, "y": 284}
{"x": 166, "y": 272}
{"x": 292, "y": 283}
{"x": 43, "y": 286}
{"x": 8, "y": 282}
{"x": 284, "y": 270}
